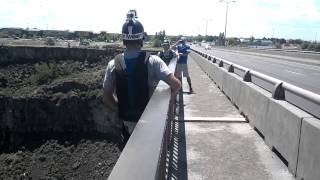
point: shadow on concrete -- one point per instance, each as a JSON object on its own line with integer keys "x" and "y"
{"x": 177, "y": 156}
{"x": 188, "y": 92}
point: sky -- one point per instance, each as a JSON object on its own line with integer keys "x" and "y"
{"x": 290, "y": 19}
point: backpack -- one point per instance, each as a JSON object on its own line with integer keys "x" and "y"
{"x": 132, "y": 89}
{"x": 166, "y": 59}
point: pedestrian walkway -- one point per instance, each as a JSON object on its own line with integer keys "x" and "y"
{"x": 213, "y": 141}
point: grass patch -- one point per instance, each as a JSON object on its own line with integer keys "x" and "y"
{"x": 95, "y": 93}
{"x": 47, "y": 72}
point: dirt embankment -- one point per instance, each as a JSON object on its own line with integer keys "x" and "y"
{"x": 53, "y": 124}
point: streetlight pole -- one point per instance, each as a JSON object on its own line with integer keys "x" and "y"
{"x": 207, "y": 28}
{"x": 225, "y": 26}
{"x": 272, "y": 33}
{"x": 207, "y": 20}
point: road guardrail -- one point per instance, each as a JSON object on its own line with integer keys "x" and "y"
{"x": 291, "y": 132}
{"x": 280, "y": 87}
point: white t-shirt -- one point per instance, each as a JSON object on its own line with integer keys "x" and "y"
{"x": 157, "y": 70}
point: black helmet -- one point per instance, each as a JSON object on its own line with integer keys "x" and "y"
{"x": 166, "y": 42}
{"x": 132, "y": 29}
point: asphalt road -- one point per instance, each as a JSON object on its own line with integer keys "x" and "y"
{"x": 314, "y": 56}
{"x": 295, "y": 70}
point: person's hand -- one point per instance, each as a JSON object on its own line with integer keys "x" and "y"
{"x": 174, "y": 83}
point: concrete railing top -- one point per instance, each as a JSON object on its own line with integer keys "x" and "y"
{"x": 140, "y": 158}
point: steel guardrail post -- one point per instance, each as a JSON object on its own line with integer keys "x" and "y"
{"x": 231, "y": 68}
{"x": 214, "y": 60}
{"x": 247, "y": 76}
{"x": 278, "y": 92}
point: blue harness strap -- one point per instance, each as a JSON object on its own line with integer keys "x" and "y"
{"x": 132, "y": 88}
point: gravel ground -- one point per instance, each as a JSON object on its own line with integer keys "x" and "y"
{"x": 53, "y": 159}
{"x": 56, "y": 155}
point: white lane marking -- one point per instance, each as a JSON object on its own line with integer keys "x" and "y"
{"x": 293, "y": 72}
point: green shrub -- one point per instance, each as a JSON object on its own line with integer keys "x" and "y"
{"x": 45, "y": 73}
{"x": 304, "y": 46}
{"x": 68, "y": 68}
{"x": 278, "y": 45}
{"x": 94, "y": 93}
{"x": 156, "y": 43}
{"x": 50, "y": 42}
{"x": 3, "y": 35}
{"x": 317, "y": 47}
{"x": 311, "y": 46}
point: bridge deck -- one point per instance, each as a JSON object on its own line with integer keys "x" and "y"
{"x": 213, "y": 141}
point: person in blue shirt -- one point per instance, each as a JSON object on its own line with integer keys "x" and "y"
{"x": 131, "y": 77}
{"x": 182, "y": 64}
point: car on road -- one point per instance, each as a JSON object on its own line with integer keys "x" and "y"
{"x": 207, "y": 47}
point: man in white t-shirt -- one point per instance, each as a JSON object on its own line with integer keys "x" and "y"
{"x": 131, "y": 77}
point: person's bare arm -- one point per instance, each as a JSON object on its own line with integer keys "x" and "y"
{"x": 111, "y": 104}
{"x": 110, "y": 100}
{"x": 174, "y": 83}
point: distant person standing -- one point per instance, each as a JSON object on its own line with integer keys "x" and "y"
{"x": 167, "y": 54}
{"x": 182, "y": 64}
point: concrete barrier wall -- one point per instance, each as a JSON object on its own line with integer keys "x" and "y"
{"x": 278, "y": 121}
{"x": 25, "y": 54}
{"x": 309, "y": 152}
{"x": 218, "y": 75}
{"x": 254, "y": 103}
{"x": 231, "y": 84}
{"x": 283, "y": 130}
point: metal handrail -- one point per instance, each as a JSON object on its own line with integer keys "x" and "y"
{"x": 149, "y": 141}
{"x": 239, "y": 67}
{"x": 308, "y": 95}
{"x": 313, "y": 97}
{"x": 264, "y": 77}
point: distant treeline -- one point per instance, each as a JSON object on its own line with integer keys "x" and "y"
{"x": 62, "y": 34}
{"x": 158, "y": 38}
{"x": 252, "y": 41}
